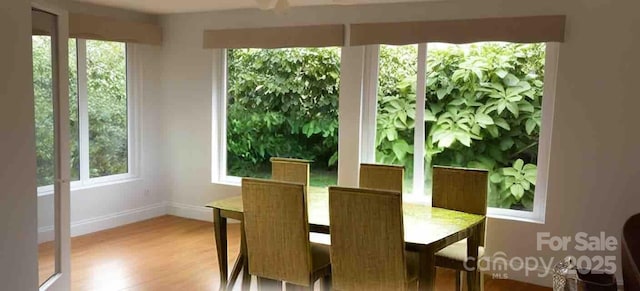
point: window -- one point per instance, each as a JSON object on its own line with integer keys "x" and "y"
{"x": 106, "y": 89}
{"x": 475, "y": 105}
{"x": 396, "y": 110}
{"x": 279, "y": 103}
{"x": 100, "y": 115}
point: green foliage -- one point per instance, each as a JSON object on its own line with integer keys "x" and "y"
{"x": 284, "y": 103}
{"x": 487, "y": 105}
{"x": 483, "y": 110}
{"x": 107, "y": 106}
{"x": 43, "y": 106}
{"x": 396, "y": 105}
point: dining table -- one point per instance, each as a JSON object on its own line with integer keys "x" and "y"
{"x": 426, "y": 231}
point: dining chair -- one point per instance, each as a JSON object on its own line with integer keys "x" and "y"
{"x": 367, "y": 241}
{"x": 296, "y": 171}
{"x": 462, "y": 190}
{"x": 277, "y": 235}
{"x": 290, "y": 170}
{"x": 631, "y": 253}
{"x": 382, "y": 177}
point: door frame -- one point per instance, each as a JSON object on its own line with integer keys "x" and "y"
{"x": 61, "y": 280}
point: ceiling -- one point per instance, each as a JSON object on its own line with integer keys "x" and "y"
{"x": 183, "y": 6}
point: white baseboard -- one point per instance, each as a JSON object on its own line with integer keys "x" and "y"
{"x": 107, "y": 221}
{"x": 190, "y": 211}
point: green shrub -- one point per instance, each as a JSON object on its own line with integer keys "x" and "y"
{"x": 107, "y": 109}
{"x": 283, "y": 103}
{"x": 483, "y": 110}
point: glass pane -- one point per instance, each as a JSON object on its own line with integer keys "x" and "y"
{"x": 107, "y": 106}
{"x": 283, "y": 103}
{"x": 43, "y": 39}
{"x": 42, "y": 91}
{"x": 74, "y": 128}
{"x": 483, "y": 108}
{"x": 397, "y": 77}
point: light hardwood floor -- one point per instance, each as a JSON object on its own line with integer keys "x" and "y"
{"x": 172, "y": 253}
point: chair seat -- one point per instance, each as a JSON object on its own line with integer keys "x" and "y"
{"x": 457, "y": 252}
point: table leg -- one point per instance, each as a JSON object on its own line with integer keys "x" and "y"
{"x": 473, "y": 242}
{"x": 427, "y": 270}
{"x": 235, "y": 272}
{"x": 220, "y": 232}
{"x": 246, "y": 277}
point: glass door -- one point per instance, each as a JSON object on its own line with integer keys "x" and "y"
{"x": 51, "y": 107}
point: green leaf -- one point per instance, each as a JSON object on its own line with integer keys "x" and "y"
{"x": 506, "y": 143}
{"x": 530, "y": 173}
{"x": 400, "y": 149}
{"x": 510, "y": 172}
{"x": 527, "y": 202}
{"x": 510, "y": 80}
{"x": 518, "y": 164}
{"x": 513, "y": 108}
{"x": 517, "y": 191}
{"x": 333, "y": 160}
{"x": 391, "y": 134}
{"x": 501, "y": 73}
{"x": 502, "y": 123}
{"x": 530, "y": 125}
{"x": 526, "y": 107}
{"x": 495, "y": 177}
{"x": 429, "y": 116}
{"x": 493, "y": 131}
{"x": 446, "y": 140}
{"x": 525, "y": 185}
{"x": 476, "y": 130}
{"x": 464, "y": 138}
{"x": 484, "y": 119}
{"x": 457, "y": 102}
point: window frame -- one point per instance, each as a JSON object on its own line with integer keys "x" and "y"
{"x": 368, "y": 127}
{"x": 219, "y": 122}
{"x": 369, "y": 124}
{"x": 133, "y": 81}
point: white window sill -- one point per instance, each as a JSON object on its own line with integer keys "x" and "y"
{"x": 514, "y": 215}
{"x": 228, "y": 181}
{"x": 98, "y": 182}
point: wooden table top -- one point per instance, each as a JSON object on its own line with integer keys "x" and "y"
{"x": 423, "y": 224}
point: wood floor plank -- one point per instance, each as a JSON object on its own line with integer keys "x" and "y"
{"x": 172, "y": 253}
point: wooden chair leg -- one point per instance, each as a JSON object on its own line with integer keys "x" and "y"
{"x": 265, "y": 284}
{"x": 459, "y": 281}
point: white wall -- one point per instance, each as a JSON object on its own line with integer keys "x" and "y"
{"x": 594, "y": 152}
{"x": 109, "y": 205}
{"x": 18, "y": 250}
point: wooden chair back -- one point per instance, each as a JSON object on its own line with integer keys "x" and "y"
{"x": 277, "y": 230}
{"x": 290, "y": 170}
{"x": 631, "y": 253}
{"x": 382, "y": 177}
{"x": 367, "y": 240}
{"x": 461, "y": 189}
